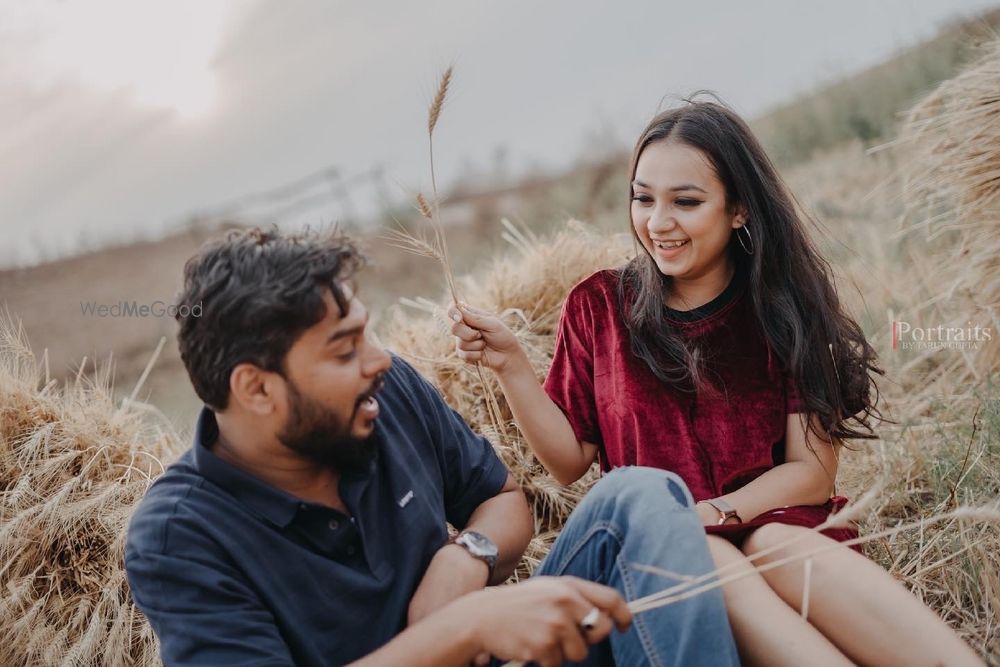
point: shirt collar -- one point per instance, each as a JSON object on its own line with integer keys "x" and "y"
{"x": 272, "y": 503}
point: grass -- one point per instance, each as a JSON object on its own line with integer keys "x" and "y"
{"x": 73, "y": 463}
{"x": 933, "y": 522}
{"x": 866, "y": 107}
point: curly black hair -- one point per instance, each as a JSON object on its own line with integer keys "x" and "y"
{"x": 250, "y": 295}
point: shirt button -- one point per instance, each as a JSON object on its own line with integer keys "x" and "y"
{"x": 333, "y": 525}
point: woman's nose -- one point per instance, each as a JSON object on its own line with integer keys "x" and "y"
{"x": 660, "y": 220}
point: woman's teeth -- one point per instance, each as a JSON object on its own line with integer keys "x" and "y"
{"x": 671, "y": 244}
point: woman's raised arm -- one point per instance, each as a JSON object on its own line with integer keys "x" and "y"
{"x": 483, "y": 338}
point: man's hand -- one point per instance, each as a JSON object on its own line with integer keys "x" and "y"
{"x": 453, "y": 572}
{"x": 540, "y": 619}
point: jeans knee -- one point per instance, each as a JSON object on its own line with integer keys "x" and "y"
{"x": 633, "y": 482}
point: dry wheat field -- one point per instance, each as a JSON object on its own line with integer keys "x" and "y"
{"x": 912, "y": 229}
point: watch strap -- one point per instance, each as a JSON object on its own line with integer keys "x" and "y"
{"x": 726, "y": 511}
{"x": 464, "y": 540}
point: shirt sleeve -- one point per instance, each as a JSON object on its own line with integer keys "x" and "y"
{"x": 202, "y": 610}
{"x": 793, "y": 401}
{"x": 471, "y": 471}
{"x": 570, "y": 381}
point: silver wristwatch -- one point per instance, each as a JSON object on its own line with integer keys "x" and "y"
{"x": 479, "y": 546}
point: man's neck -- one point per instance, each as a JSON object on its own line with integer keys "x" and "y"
{"x": 273, "y": 463}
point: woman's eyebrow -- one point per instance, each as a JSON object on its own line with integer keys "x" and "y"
{"x": 676, "y": 188}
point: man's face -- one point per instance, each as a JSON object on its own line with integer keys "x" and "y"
{"x": 333, "y": 372}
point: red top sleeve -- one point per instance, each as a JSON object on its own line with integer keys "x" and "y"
{"x": 570, "y": 382}
{"x": 793, "y": 402}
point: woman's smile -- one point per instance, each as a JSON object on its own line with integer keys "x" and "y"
{"x": 670, "y": 249}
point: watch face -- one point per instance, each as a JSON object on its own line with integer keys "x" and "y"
{"x": 478, "y": 544}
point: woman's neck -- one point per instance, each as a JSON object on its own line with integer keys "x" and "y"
{"x": 691, "y": 293}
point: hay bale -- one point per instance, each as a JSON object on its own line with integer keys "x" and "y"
{"x": 951, "y": 144}
{"x": 72, "y": 468}
{"x": 527, "y": 287}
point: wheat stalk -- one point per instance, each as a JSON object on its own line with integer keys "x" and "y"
{"x": 437, "y": 246}
{"x": 691, "y": 587}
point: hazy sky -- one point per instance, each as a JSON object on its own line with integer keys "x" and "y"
{"x": 119, "y": 118}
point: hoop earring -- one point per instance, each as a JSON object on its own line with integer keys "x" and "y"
{"x": 745, "y": 227}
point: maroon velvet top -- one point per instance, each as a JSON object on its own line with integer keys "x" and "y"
{"x": 716, "y": 441}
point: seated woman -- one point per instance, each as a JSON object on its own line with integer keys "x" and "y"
{"x": 722, "y": 353}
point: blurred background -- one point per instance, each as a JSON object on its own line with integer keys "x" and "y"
{"x": 133, "y": 131}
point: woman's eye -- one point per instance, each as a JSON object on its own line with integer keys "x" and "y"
{"x": 687, "y": 202}
{"x": 645, "y": 199}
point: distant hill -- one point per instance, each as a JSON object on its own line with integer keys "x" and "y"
{"x": 50, "y": 299}
{"x": 866, "y": 105}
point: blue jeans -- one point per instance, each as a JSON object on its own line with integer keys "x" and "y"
{"x": 645, "y": 515}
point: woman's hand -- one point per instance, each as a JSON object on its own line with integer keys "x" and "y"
{"x": 709, "y": 515}
{"x": 483, "y": 338}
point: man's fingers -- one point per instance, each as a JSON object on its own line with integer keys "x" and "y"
{"x": 550, "y": 658}
{"x": 574, "y": 644}
{"x": 606, "y": 599}
{"x": 601, "y": 629}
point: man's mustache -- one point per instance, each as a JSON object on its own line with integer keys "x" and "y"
{"x": 375, "y": 387}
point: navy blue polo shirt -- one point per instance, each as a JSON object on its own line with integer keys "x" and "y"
{"x": 230, "y": 570}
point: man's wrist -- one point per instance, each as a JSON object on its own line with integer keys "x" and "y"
{"x": 469, "y": 633}
{"x": 459, "y": 557}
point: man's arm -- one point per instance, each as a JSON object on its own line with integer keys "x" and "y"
{"x": 538, "y": 620}
{"x": 506, "y": 520}
{"x": 203, "y": 614}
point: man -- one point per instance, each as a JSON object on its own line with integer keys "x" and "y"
{"x": 307, "y": 523}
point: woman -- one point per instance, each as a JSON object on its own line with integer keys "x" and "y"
{"x": 722, "y": 353}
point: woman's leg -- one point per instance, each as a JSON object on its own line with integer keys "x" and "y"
{"x": 857, "y": 604}
{"x": 767, "y": 631}
{"x": 643, "y": 516}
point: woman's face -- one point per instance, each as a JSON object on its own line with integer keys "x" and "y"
{"x": 679, "y": 211}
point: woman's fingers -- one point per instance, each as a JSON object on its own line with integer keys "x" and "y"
{"x": 477, "y": 345}
{"x": 465, "y": 332}
{"x": 471, "y": 357}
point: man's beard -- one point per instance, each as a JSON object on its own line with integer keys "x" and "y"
{"x": 314, "y": 431}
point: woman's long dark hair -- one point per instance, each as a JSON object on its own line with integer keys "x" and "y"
{"x": 794, "y": 298}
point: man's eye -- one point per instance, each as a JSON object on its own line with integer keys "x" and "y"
{"x": 347, "y": 356}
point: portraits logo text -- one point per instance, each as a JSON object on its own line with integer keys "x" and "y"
{"x": 906, "y": 336}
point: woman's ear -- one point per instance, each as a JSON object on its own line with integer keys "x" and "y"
{"x": 739, "y": 216}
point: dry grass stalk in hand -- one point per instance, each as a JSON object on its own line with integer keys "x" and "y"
{"x": 437, "y": 247}
{"x": 691, "y": 587}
